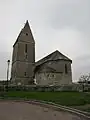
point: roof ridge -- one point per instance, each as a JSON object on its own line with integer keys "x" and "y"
{"x": 47, "y": 58}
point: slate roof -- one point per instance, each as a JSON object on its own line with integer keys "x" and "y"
{"x": 56, "y": 55}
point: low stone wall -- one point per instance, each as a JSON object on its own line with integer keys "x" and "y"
{"x": 72, "y": 87}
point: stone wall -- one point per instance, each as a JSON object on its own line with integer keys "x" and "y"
{"x": 37, "y": 88}
{"x": 53, "y": 79}
{"x": 53, "y": 73}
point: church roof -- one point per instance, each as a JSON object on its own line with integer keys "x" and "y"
{"x": 49, "y": 68}
{"x": 56, "y": 55}
{"x": 26, "y": 28}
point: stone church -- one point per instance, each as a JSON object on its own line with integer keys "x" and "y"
{"x": 54, "y": 69}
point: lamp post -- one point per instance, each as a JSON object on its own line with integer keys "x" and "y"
{"x": 8, "y": 63}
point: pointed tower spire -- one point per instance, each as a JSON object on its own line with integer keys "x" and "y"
{"x": 27, "y": 24}
{"x": 26, "y": 31}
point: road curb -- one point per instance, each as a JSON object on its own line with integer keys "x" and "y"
{"x": 57, "y": 107}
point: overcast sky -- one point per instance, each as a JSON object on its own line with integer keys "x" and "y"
{"x": 56, "y": 24}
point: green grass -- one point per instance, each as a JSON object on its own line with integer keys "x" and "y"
{"x": 87, "y": 110}
{"x": 62, "y": 98}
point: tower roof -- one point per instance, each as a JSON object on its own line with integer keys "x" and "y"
{"x": 25, "y": 31}
{"x": 27, "y": 24}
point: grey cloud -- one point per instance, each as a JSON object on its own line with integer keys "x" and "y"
{"x": 81, "y": 65}
{"x": 74, "y": 14}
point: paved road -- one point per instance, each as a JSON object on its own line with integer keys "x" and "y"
{"x": 25, "y": 111}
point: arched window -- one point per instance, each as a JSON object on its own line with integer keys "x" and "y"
{"x": 66, "y": 71}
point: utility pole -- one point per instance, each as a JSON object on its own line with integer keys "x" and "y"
{"x": 8, "y": 63}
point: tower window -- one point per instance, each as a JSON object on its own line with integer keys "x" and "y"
{"x": 66, "y": 71}
{"x": 25, "y": 74}
{"x": 25, "y": 48}
{"x": 27, "y": 34}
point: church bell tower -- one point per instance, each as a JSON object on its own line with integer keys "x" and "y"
{"x": 23, "y": 58}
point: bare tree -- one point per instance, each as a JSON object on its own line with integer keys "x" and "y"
{"x": 84, "y": 80}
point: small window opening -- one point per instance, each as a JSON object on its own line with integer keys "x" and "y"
{"x": 27, "y": 34}
{"x": 25, "y": 73}
{"x": 25, "y": 48}
{"x": 66, "y": 71}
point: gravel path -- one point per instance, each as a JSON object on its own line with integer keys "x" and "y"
{"x": 25, "y": 111}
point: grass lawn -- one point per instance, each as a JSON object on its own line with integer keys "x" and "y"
{"x": 83, "y": 107}
{"x": 63, "y": 98}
